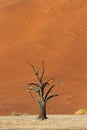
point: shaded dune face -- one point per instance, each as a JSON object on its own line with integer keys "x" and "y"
{"x": 55, "y": 31}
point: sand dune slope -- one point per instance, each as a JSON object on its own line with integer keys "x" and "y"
{"x": 33, "y": 30}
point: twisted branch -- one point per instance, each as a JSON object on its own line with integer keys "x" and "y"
{"x": 36, "y": 72}
{"x": 51, "y": 96}
{"x": 43, "y": 71}
{"x": 49, "y": 91}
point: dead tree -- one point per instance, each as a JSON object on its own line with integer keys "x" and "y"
{"x": 39, "y": 88}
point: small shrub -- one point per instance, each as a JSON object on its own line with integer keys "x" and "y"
{"x": 24, "y": 114}
{"x": 81, "y": 112}
{"x": 19, "y": 114}
{"x": 16, "y": 114}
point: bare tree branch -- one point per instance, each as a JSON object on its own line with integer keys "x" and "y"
{"x": 33, "y": 84}
{"x": 49, "y": 91}
{"x": 36, "y": 72}
{"x": 51, "y": 96}
{"x": 43, "y": 70}
{"x": 33, "y": 89}
{"x": 47, "y": 83}
{"x": 44, "y": 84}
{"x": 33, "y": 97}
{"x": 50, "y": 80}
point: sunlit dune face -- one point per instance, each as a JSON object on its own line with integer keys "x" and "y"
{"x": 54, "y": 31}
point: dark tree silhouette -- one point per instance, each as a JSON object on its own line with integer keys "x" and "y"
{"x": 39, "y": 88}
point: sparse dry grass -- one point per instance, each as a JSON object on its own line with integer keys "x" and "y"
{"x": 19, "y": 114}
{"x": 81, "y": 112}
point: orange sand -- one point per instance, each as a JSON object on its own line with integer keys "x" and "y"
{"x": 33, "y": 30}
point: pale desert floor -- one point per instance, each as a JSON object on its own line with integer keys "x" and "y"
{"x": 51, "y": 30}
{"x": 54, "y": 122}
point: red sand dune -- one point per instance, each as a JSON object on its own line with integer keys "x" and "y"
{"x": 33, "y": 30}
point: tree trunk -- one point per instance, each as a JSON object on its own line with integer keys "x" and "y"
{"x": 42, "y": 106}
